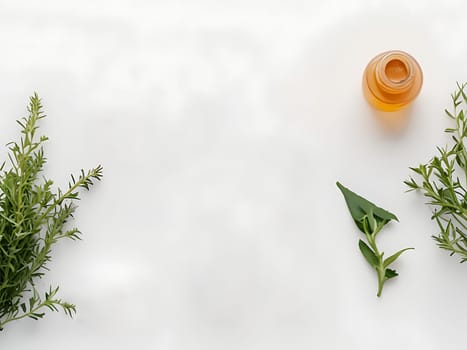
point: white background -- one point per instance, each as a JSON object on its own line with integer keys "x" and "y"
{"x": 222, "y": 127}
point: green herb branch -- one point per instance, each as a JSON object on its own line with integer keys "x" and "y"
{"x": 370, "y": 219}
{"x": 443, "y": 181}
{"x": 32, "y": 219}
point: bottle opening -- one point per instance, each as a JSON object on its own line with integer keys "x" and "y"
{"x": 396, "y": 71}
{"x": 392, "y": 80}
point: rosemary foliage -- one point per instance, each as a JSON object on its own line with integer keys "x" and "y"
{"x": 33, "y": 217}
{"x": 443, "y": 181}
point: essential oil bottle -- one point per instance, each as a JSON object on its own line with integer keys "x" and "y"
{"x": 392, "y": 80}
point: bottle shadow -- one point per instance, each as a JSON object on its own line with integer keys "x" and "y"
{"x": 393, "y": 122}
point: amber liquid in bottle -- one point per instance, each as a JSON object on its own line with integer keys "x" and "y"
{"x": 392, "y": 80}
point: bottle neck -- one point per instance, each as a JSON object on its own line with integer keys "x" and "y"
{"x": 395, "y": 72}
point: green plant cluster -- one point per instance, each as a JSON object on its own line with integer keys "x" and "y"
{"x": 443, "y": 181}
{"x": 33, "y": 217}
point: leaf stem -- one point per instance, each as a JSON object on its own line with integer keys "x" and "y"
{"x": 380, "y": 270}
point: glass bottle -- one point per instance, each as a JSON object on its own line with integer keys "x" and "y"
{"x": 392, "y": 80}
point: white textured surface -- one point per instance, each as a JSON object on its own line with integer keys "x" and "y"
{"x": 222, "y": 127}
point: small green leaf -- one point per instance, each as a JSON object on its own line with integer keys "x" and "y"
{"x": 389, "y": 273}
{"x": 393, "y": 257}
{"x": 411, "y": 184}
{"x": 36, "y": 315}
{"x": 368, "y": 253}
{"x": 32, "y": 302}
{"x": 359, "y": 207}
{"x": 372, "y": 221}
{"x": 364, "y": 225}
{"x": 449, "y": 114}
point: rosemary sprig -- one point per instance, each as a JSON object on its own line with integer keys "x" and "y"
{"x": 443, "y": 181}
{"x": 32, "y": 219}
{"x": 370, "y": 219}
